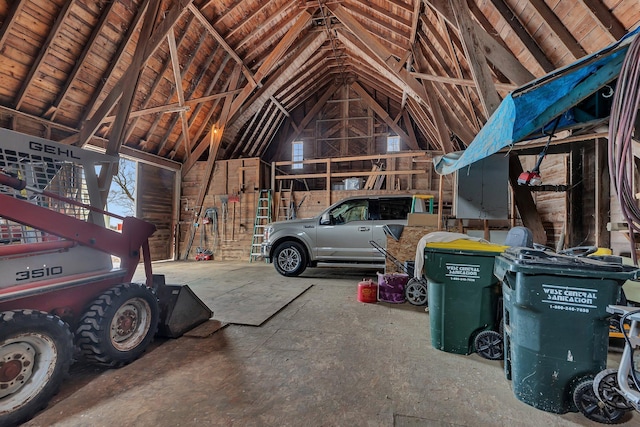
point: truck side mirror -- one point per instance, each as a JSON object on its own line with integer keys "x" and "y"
{"x": 325, "y": 219}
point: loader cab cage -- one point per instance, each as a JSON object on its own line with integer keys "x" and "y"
{"x": 63, "y": 170}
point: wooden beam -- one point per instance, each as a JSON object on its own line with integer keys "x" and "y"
{"x": 524, "y": 201}
{"x": 177, "y": 78}
{"x": 205, "y": 121}
{"x": 42, "y": 52}
{"x": 243, "y": 109}
{"x": 90, "y": 126}
{"x": 605, "y": 19}
{"x": 502, "y": 59}
{"x": 444, "y": 138}
{"x": 52, "y": 111}
{"x": 475, "y": 56}
{"x": 410, "y": 131}
{"x": 129, "y": 86}
{"x": 9, "y": 20}
{"x": 602, "y": 194}
{"x": 265, "y": 69}
{"x": 216, "y": 132}
{"x": 532, "y": 46}
{"x": 302, "y": 21}
{"x": 459, "y": 81}
{"x": 494, "y": 50}
{"x": 557, "y": 26}
{"x": 207, "y": 25}
{"x": 313, "y": 112}
{"x": 382, "y": 113}
{"x": 215, "y": 138}
{"x": 380, "y": 51}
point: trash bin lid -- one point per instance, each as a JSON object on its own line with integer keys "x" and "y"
{"x": 535, "y": 261}
{"x": 468, "y": 246}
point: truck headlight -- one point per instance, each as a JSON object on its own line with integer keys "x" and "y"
{"x": 267, "y": 233}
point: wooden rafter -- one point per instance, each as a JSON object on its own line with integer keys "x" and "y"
{"x": 558, "y": 28}
{"x": 605, "y": 19}
{"x": 285, "y": 43}
{"x": 170, "y": 18}
{"x": 242, "y": 110}
{"x": 262, "y": 38}
{"x": 37, "y": 64}
{"x": 156, "y": 83}
{"x": 177, "y": 76}
{"x": 211, "y": 30}
{"x": 377, "y": 49}
{"x": 52, "y": 111}
{"x": 473, "y": 49}
{"x": 16, "y": 8}
{"x": 532, "y": 46}
{"x": 216, "y": 132}
{"x": 200, "y": 144}
{"x": 382, "y": 113}
{"x": 129, "y": 85}
{"x": 456, "y": 100}
{"x": 196, "y": 102}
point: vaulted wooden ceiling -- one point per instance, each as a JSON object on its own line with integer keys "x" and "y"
{"x": 171, "y": 81}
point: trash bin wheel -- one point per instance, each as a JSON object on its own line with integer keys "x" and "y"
{"x": 593, "y": 408}
{"x": 605, "y": 386}
{"x": 416, "y": 291}
{"x": 490, "y": 345}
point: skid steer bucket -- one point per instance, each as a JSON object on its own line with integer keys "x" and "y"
{"x": 180, "y": 309}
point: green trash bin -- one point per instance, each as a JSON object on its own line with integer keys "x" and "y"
{"x": 463, "y": 292}
{"x": 556, "y": 326}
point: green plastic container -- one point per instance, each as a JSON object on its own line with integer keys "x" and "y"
{"x": 463, "y": 292}
{"x": 556, "y": 327}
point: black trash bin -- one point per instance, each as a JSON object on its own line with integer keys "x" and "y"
{"x": 556, "y": 326}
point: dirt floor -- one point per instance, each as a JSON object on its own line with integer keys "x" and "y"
{"x": 324, "y": 359}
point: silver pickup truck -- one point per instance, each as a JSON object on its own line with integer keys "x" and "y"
{"x": 339, "y": 236}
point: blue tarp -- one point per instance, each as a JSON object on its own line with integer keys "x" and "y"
{"x": 530, "y": 108}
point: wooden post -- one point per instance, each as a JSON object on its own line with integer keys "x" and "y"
{"x": 440, "y": 193}
{"x": 328, "y": 182}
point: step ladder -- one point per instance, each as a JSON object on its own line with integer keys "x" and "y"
{"x": 285, "y": 199}
{"x": 263, "y": 217}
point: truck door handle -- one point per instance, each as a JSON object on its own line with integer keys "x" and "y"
{"x": 364, "y": 228}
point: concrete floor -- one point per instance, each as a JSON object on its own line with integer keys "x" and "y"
{"x": 323, "y": 360}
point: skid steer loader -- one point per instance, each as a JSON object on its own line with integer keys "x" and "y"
{"x": 60, "y": 293}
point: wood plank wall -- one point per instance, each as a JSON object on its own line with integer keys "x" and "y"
{"x": 156, "y": 193}
{"x": 244, "y": 178}
{"x": 231, "y": 236}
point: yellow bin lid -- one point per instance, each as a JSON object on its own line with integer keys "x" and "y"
{"x": 467, "y": 245}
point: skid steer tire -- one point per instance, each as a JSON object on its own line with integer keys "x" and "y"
{"x": 118, "y": 326}
{"x": 36, "y": 350}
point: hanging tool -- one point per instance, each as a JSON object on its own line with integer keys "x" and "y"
{"x": 533, "y": 178}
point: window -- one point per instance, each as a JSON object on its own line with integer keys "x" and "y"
{"x": 395, "y": 208}
{"x": 297, "y": 154}
{"x": 351, "y": 210}
{"x": 393, "y": 143}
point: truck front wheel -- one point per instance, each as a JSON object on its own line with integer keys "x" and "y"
{"x": 290, "y": 259}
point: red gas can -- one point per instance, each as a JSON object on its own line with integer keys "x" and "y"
{"x": 367, "y": 291}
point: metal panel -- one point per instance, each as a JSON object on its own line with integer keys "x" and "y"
{"x": 482, "y": 190}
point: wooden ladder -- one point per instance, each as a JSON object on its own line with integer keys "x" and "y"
{"x": 263, "y": 217}
{"x": 285, "y": 199}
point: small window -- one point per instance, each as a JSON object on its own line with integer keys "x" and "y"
{"x": 393, "y": 143}
{"x": 395, "y": 208}
{"x": 297, "y": 155}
